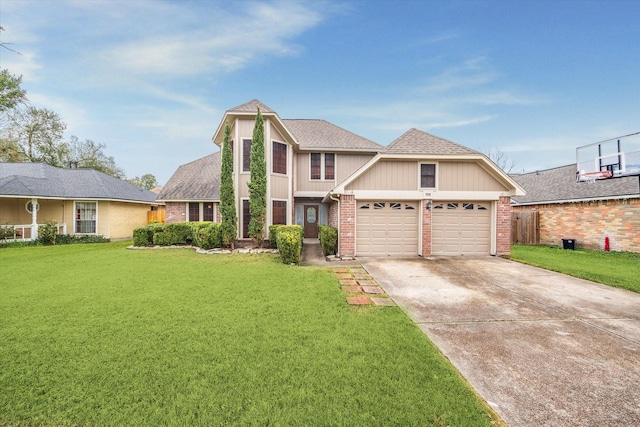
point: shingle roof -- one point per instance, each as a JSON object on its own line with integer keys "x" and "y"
{"x": 251, "y": 107}
{"x": 319, "y": 134}
{"x": 415, "y": 141}
{"x": 559, "y": 184}
{"x": 198, "y": 180}
{"x": 43, "y": 180}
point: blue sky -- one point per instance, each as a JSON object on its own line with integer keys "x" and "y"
{"x": 152, "y": 80}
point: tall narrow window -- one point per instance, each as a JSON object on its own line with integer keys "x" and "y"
{"x": 329, "y": 166}
{"x": 427, "y": 175}
{"x": 316, "y": 162}
{"x": 246, "y": 155}
{"x": 279, "y": 163}
{"x": 279, "y": 212}
{"x": 194, "y": 211}
{"x": 246, "y": 218}
{"x": 207, "y": 211}
{"x": 86, "y": 216}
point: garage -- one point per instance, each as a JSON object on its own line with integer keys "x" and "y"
{"x": 386, "y": 228}
{"x": 461, "y": 228}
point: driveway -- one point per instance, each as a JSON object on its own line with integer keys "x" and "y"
{"x": 540, "y": 347}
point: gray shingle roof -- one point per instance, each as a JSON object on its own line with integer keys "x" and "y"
{"x": 198, "y": 180}
{"x": 319, "y": 134}
{"x": 559, "y": 184}
{"x": 415, "y": 141}
{"x": 251, "y": 107}
{"x": 41, "y": 181}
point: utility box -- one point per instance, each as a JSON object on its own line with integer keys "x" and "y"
{"x": 569, "y": 244}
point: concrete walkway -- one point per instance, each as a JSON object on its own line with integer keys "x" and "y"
{"x": 312, "y": 255}
{"x": 542, "y": 348}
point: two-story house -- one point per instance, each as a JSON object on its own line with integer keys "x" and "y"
{"x": 421, "y": 195}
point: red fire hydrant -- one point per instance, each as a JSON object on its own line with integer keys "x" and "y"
{"x": 607, "y": 248}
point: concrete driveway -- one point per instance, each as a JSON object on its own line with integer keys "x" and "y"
{"x": 543, "y": 349}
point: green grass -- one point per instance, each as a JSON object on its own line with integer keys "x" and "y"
{"x": 619, "y": 269}
{"x": 99, "y": 335}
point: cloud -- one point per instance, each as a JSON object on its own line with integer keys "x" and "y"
{"x": 473, "y": 72}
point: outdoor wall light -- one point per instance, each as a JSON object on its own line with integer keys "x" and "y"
{"x": 429, "y": 205}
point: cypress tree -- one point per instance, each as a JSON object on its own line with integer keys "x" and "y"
{"x": 227, "y": 194}
{"x": 258, "y": 184}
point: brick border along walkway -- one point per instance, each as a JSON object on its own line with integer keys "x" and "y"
{"x": 360, "y": 287}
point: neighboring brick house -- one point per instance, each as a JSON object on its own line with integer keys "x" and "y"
{"x": 81, "y": 201}
{"x": 585, "y": 211}
{"x": 421, "y": 195}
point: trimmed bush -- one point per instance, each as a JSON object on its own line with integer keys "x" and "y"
{"x": 161, "y": 238}
{"x": 273, "y": 235}
{"x": 289, "y": 244}
{"x": 143, "y": 236}
{"x": 66, "y": 239}
{"x": 207, "y": 235}
{"x": 328, "y": 239}
{"x": 179, "y": 233}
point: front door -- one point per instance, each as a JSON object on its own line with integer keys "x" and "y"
{"x": 311, "y": 221}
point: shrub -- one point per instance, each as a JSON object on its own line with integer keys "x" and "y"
{"x": 273, "y": 235}
{"x": 207, "y": 235}
{"x": 328, "y": 239}
{"x": 48, "y": 232}
{"x": 7, "y": 232}
{"x": 161, "y": 238}
{"x": 143, "y": 236}
{"x": 179, "y": 233}
{"x": 66, "y": 239}
{"x": 289, "y": 245}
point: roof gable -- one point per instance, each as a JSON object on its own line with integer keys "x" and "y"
{"x": 43, "y": 180}
{"x": 197, "y": 180}
{"x": 559, "y": 184}
{"x": 251, "y": 107}
{"x": 415, "y": 141}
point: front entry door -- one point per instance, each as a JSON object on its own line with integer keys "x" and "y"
{"x": 311, "y": 221}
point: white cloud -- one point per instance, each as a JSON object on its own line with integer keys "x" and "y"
{"x": 473, "y": 72}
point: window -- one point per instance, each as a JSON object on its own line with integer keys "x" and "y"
{"x": 427, "y": 175}
{"x": 316, "y": 160}
{"x": 86, "y": 217}
{"x": 320, "y": 164}
{"x": 279, "y": 164}
{"x": 207, "y": 211}
{"x": 246, "y": 155}
{"x": 246, "y": 218}
{"x": 194, "y": 211}
{"x": 365, "y": 206}
{"x": 378, "y": 205}
{"x": 279, "y": 212}
{"x": 329, "y": 166}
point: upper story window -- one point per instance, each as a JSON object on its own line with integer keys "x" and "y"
{"x": 323, "y": 166}
{"x": 427, "y": 175}
{"x": 279, "y": 163}
{"x": 246, "y": 155}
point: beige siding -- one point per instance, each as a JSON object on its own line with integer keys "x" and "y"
{"x": 243, "y": 189}
{"x": 303, "y": 181}
{"x": 279, "y": 187}
{"x": 388, "y": 175}
{"x": 465, "y": 176}
{"x": 275, "y": 134}
{"x": 346, "y": 164}
{"x": 123, "y": 218}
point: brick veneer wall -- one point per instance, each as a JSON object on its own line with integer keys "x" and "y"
{"x": 347, "y": 229}
{"x": 176, "y": 212}
{"x": 333, "y": 214}
{"x": 503, "y": 226}
{"x": 590, "y": 222}
{"x": 426, "y": 229}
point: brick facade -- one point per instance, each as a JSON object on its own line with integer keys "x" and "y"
{"x": 333, "y": 214}
{"x": 426, "y": 228}
{"x": 589, "y": 223}
{"x": 503, "y": 226}
{"x": 347, "y": 229}
{"x": 176, "y": 212}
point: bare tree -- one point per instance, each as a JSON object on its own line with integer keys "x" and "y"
{"x": 500, "y": 158}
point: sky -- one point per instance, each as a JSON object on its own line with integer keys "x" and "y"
{"x": 152, "y": 79}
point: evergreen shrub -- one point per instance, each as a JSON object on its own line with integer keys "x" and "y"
{"x": 289, "y": 245}
{"x": 328, "y": 239}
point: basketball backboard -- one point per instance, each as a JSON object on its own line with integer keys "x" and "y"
{"x": 611, "y": 158}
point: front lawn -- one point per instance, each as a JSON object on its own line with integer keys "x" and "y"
{"x": 99, "y": 335}
{"x": 619, "y": 269}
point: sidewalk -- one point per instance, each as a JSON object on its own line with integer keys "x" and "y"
{"x": 312, "y": 255}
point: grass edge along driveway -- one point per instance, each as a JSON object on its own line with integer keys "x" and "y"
{"x": 618, "y": 269}
{"x": 98, "y": 335}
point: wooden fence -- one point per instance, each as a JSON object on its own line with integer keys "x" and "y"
{"x": 156, "y": 216}
{"x": 525, "y": 227}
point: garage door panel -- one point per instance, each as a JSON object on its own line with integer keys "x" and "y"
{"x": 387, "y": 228}
{"x": 461, "y": 228}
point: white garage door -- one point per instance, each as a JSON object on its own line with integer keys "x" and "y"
{"x": 461, "y": 228}
{"x": 387, "y": 228}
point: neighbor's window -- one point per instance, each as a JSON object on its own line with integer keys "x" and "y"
{"x": 279, "y": 163}
{"x": 86, "y": 216}
{"x": 329, "y": 166}
{"x": 246, "y": 155}
{"x": 316, "y": 162}
{"x": 279, "y": 212}
{"x": 427, "y": 175}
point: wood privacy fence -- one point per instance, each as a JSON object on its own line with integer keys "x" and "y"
{"x": 157, "y": 216}
{"x": 525, "y": 227}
